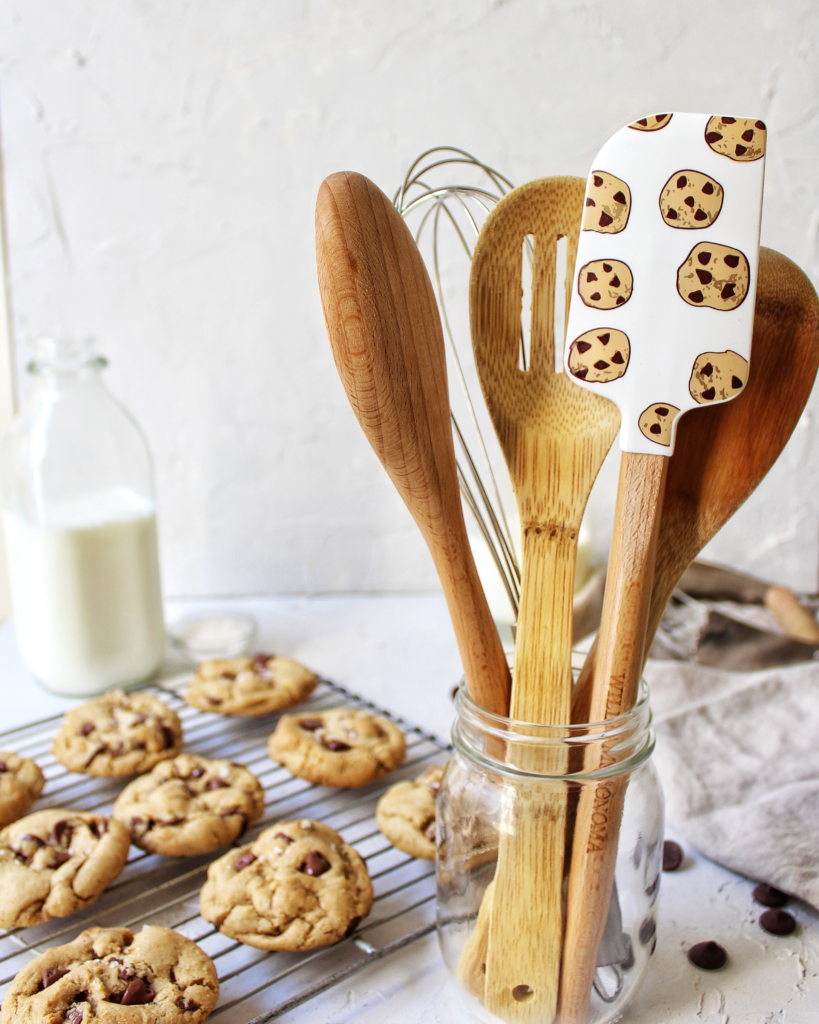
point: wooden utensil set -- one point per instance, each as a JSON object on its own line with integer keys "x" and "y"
{"x": 665, "y": 285}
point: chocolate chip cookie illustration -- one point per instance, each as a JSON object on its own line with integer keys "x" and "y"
{"x": 738, "y": 138}
{"x": 166, "y": 978}
{"x": 21, "y": 782}
{"x": 608, "y": 203}
{"x": 338, "y": 747}
{"x": 717, "y": 376}
{"x": 690, "y": 199}
{"x": 299, "y": 886}
{"x": 118, "y": 734}
{"x": 599, "y": 356}
{"x": 655, "y": 422}
{"x": 406, "y": 813}
{"x": 714, "y": 275}
{"x": 605, "y": 284}
{"x": 190, "y": 805}
{"x": 250, "y": 686}
{"x": 653, "y": 123}
{"x": 54, "y": 862}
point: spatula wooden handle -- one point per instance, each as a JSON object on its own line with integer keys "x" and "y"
{"x": 385, "y": 331}
{"x": 616, "y": 680}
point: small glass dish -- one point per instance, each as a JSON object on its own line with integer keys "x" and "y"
{"x": 200, "y": 637}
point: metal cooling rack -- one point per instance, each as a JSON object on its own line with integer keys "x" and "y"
{"x": 254, "y": 986}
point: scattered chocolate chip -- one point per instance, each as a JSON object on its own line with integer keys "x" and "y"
{"x": 85, "y": 729}
{"x": 285, "y": 838}
{"x": 187, "y": 1004}
{"x": 704, "y": 276}
{"x": 51, "y": 974}
{"x": 601, "y": 364}
{"x": 74, "y": 1014}
{"x": 99, "y": 826}
{"x": 778, "y": 922}
{"x": 705, "y": 258}
{"x": 671, "y": 214}
{"x": 62, "y": 833}
{"x": 337, "y": 746}
{"x": 618, "y": 197}
{"x": 214, "y": 783}
{"x": 137, "y": 993}
{"x": 604, "y": 338}
{"x": 315, "y": 864}
{"x": 707, "y": 189}
{"x": 648, "y": 929}
{"x": 36, "y": 840}
{"x": 768, "y": 896}
{"x": 607, "y": 267}
{"x": 728, "y": 291}
{"x": 595, "y": 296}
{"x": 598, "y": 181}
{"x": 682, "y": 181}
{"x": 583, "y": 346}
{"x": 689, "y": 201}
{"x": 615, "y": 282}
{"x": 712, "y": 137}
{"x": 700, "y": 215}
{"x": 242, "y": 862}
{"x": 590, "y": 202}
{"x": 660, "y": 117}
{"x": 620, "y": 300}
{"x": 618, "y": 358}
{"x": 736, "y": 382}
{"x": 748, "y": 135}
{"x": 661, "y": 410}
{"x": 707, "y": 370}
{"x": 214, "y": 701}
{"x": 228, "y": 675}
{"x": 169, "y": 740}
{"x": 672, "y": 855}
{"x": 125, "y": 973}
{"x": 351, "y": 927}
{"x": 709, "y": 395}
{"x": 311, "y": 724}
{"x": 708, "y": 956}
{"x": 655, "y": 428}
{"x": 696, "y": 296}
{"x": 740, "y": 150}
{"x": 605, "y": 220}
{"x": 582, "y": 373}
{"x": 591, "y": 276}
{"x": 732, "y": 261}
{"x": 760, "y": 125}
{"x": 643, "y": 121}
{"x": 58, "y": 858}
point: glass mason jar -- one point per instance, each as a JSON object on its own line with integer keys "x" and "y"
{"x": 80, "y": 529}
{"x": 529, "y": 851}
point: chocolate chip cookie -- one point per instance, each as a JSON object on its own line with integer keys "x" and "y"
{"x": 655, "y": 422}
{"x": 118, "y": 734}
{"x": 21, "y": 782}
{"x": 653, "y": 123}
{"x": 738, "y": 138}
{"x": 599, "y": 356}
{"x": 298, "y": 887}
{"x": 250, "y": 686}
{"x": 167, "y": 978}
{"x": 189, "y": 805}
{"x": 54, "y": 862}
{"x": 406, "y": 813}
{"x": 717, "y": 376}
{"x": 605, "y": 284}
{"x": 340, "y": 747}
{"x": 690, "y": 199}
{"x": 608, "y": 204}
{"x": 714, "y": 275}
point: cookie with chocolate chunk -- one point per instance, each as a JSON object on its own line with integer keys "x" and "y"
{"x": 299, "y": 886}
{"x": 250, "y": 686}
{"x": 738, "y": 138}
{"x": 605, "y": 284}
{"x": 118, "y": 734}
{"x": 54, "y": 862}
{"x": 652, "y": 123}
{"x": 159, "y": 975}
{"x": 690, "y": 200}
{"x": 599, "y": 356}
{"x": 717, "y": 376}
{"x": 190, "y": 805}
{"x": 21, "y": 782}
{"x": 406, "y": 813}
{"x": 655, "y": 422}
{"x": 608, "y": 204}
{"x": 338, "y": 747}
{"x": 714, "y": 275}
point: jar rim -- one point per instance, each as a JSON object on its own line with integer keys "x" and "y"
{"x": 65, "y": 353}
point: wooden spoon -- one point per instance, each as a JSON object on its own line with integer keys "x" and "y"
{"x": 721, "y": 455}
{"x": 385, "y": 331}
{"x": 554, "y": 437}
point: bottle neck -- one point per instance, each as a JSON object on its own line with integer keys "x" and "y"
{"x": 66, "y": 358}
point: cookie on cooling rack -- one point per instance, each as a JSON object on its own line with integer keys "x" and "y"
{"x": 250, "y": 686}
{"x": 54, "y": 862}
{"x": 190, "y": 805}
{"x": 406, "y": 813}
{"x": 118, "y": 734}
{"x": 164, "y": 976}
{"x": 21, "y": 782}
{"x": 339, "y": 747}
{"x": 299, "y": 886}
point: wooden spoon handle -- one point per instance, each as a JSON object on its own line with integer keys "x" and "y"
{"x": 616, "y": 681}
{"x": 385, "y": 331}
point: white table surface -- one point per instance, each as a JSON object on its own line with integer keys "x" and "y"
{"x": 399, "y": 652}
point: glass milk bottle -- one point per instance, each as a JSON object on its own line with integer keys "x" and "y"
{"x": 80, "y": 529}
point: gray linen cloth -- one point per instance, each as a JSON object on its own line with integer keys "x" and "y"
{"x": 738, "y": 754}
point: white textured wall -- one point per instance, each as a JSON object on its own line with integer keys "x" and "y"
{"x": 162, "y": 159}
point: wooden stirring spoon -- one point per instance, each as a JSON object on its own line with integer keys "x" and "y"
{"x": 721, "y": 456}
{"x": 554, "y": 437}
{"x": 385, "y": 331}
